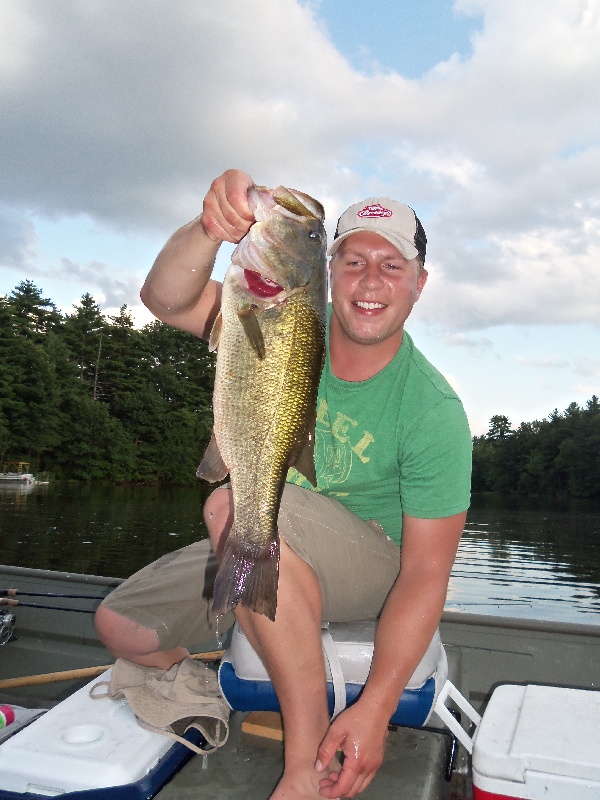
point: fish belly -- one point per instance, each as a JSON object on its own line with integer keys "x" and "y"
{"x": 264, "y": 409}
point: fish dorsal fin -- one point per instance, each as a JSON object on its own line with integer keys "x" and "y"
{"x": 212, "y": 467}
{"x": 215, "y": 333}
{"x": 305, "y": 460}
{"x": 247, "y": 317}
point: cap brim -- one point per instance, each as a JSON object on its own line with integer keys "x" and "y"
{"x": 404, "y": 247}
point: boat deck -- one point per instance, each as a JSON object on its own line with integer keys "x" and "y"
{"x": 249, "y": 766}
{"x": 482, "y": 653}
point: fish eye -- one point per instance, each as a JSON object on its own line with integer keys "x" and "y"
{"x": 314, "y": 235}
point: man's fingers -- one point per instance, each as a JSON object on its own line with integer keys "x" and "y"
{"x": 226, "y": 213}
{"x": 349, "y": 782}
{"x": 223, "y": 224}
{"x": 326, "y": 752}
{"x": 344, "y": 785}
{"x": 236, "y": 195}
{"x": 215, "y": 231}
{"x": 353, "y": 778}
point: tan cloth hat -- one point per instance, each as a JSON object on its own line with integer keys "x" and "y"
{"x": 394, "y": 221}
{"x": 172, "y": 701}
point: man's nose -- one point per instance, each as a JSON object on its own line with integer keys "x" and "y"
{"x": 371, "y": 277}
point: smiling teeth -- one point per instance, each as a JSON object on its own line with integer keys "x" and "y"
{"x": 369, "y": 306}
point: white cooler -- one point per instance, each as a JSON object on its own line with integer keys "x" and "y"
{"x": 83, "y": 745}
{"x": 538, "y": 743}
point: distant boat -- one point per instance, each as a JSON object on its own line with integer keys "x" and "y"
{"x": 20, "y": 477}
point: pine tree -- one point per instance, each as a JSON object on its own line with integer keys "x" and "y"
{"x": 34, "y": 315}
{"x": 83, "y": 331}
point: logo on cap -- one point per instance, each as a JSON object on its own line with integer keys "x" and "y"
{"x": 376, "y": 210}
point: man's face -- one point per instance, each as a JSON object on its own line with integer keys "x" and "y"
{"x": 373, "y": 288}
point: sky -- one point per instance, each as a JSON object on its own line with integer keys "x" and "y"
{"x": 483, "y": 115}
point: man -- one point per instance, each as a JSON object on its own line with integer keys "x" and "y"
{"x": 393, "y": 466}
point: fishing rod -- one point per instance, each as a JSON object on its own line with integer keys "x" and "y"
{"x": 14, "y": 592}
{"x": 86, "y": 672}
{"x": 10, "y": 601}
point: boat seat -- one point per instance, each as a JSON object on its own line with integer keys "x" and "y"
{"x": 348, "y": 651}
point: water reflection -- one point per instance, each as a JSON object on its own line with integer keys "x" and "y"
{"x": 17, "y": 490}
{"x": 519, "y": 558}
{"x": 529, "y": 560}
{"x": 102, "y": 530}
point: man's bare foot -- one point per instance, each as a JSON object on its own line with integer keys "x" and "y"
{"x": 302, "y": 784}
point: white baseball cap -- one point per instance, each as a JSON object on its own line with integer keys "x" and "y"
{"x": 393, "y": 220}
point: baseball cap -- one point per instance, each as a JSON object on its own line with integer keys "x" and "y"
{"x": 394, "y": 221}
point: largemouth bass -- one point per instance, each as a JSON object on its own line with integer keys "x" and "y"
{"x": 270, "y": 340}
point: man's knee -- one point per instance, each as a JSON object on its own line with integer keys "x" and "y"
{"x": 218, "y": 516}
{"x": 122, "y": 636}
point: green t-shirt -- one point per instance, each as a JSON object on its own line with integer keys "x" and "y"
{"x": 397, "y": 442}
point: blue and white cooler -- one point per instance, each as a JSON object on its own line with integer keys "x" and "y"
{"x": 348, "y": 651}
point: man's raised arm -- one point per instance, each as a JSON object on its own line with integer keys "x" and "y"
{"x": 178, "y": 289}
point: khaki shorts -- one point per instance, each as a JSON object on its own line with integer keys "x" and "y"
{"x": 354, "y": 561}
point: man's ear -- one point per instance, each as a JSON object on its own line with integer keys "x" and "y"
{"x": 421, "y": 281}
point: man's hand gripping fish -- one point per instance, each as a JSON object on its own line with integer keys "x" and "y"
{"x": 270, "y": 335}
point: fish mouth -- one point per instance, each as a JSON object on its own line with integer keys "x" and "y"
{"x": 259, "y": 273}
{"x": 260, "y": 286}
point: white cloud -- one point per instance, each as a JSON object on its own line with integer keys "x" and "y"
{"x": 110, "y": 287}
{"x": 17, "y": 238}
{"x": 536, "y": 277}
{"x": 553, "y": 362}
{"x": 588, "y": 368}
{"x": 480, "y": 344}
{"x": 454, "y": 383}
{"x": 588, "y": 391}
{"x": 125, "y": 111}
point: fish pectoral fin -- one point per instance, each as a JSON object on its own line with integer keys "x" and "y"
{"x": 212, "y": 467}
{"x": 247, "y": 317}
{"x": 305, "y": 460}
{"x": 215, "y": 334}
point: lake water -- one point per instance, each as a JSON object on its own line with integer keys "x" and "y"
{"x": 517, "y": 558}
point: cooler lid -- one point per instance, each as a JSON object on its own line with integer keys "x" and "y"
{"x": 545, "y": 729}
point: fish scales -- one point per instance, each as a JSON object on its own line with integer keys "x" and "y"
{"x": 256, "y": 446}
{"x": 271, "y": 338}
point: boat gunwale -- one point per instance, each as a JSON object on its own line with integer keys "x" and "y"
{"x": 51, "y": 574}
{"x": 449, "y": 616}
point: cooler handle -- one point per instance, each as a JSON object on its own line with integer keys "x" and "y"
{"x": 449, "y": 690}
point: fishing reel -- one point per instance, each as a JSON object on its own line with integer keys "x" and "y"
{"x": 7, "y": 626}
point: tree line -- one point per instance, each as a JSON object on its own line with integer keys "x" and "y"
{"x": 89, "y": 397}
{"x": 559, "y": 456}
{"x": 86, "y": 396}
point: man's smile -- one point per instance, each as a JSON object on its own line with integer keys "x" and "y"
{"x": 369, "y": 306}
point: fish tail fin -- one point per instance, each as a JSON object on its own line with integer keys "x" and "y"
{"x": 248, "y": 577}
